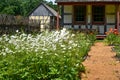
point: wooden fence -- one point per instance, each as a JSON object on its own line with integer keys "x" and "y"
{"x": 9, "y": 24}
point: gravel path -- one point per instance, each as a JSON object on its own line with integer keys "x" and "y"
{"x": 101, "y": 64}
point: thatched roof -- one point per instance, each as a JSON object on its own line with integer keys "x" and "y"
{"x": 87, "y": 1}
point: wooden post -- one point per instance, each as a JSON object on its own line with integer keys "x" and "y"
{"x": 57, "y": 21}
{"x": 57, "y": 25}
{"x": 118, "y": 17}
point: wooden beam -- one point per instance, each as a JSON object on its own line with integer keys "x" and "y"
{"x": 118, "y": 17}
{"x": 62, "y": 15}
{"x": 86, "y": 3}
{"x": 57, "y": 21}
{"x": 57, "y": 26}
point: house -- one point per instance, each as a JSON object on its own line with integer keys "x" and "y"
{"x": 45, "y": 16}
{"x": 90, "y": 14}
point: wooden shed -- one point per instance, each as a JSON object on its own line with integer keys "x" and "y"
{"x": 45, "y": 15}
{"x": 90, "y": 14}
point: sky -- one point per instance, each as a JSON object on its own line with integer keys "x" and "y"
{"x": 51, "y": 0}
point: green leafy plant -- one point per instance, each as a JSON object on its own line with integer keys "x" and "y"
{"x": 112, "y": 36}
{"x": 53, "y": 55}
{"x": 117, "y": 50}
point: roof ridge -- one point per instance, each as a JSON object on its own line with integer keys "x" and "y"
{"x": 51, "y": 10}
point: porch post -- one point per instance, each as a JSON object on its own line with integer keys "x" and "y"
{"x": 57, "y": 26}
{"x": 118, "y": 17}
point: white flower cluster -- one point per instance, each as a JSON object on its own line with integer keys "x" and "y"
{"x": 38, "y": 43}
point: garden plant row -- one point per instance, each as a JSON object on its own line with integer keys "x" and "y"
{"x": 113, "y": 39}
{"x": 55, "y": 55}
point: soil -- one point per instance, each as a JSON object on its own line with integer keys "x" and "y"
{"x": 101, "y": 64}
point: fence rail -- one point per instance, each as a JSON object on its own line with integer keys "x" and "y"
{"x": 10, "y": 23}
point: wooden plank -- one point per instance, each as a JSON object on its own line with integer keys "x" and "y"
{"x": 100, "y": 36}
{"x": 62, "y": 11}
{"x": 67, "y": 13}
{"x": 87, "y": 3}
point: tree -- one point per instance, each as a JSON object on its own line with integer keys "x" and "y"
{"x": 21, "y": 7}
{"x": 10, "y": 7}
{"x": 54, "y": 6}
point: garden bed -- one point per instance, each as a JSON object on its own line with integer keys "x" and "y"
{"x": 113, "y": 39}
{"x": 51, "y": 55}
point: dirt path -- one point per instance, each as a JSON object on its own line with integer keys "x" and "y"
{"x": 101, "y": 64}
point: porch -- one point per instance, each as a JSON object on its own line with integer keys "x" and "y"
{"x": 92, "y": 31}
{"x": 86, "y": 15}
{"x": 100, "y": 36}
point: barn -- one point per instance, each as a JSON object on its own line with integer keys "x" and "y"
{"x": 45, "y": 16}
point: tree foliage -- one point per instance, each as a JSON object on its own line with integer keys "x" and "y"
{"x": 21, "y": 7}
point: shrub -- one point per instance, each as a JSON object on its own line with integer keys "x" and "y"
{"x": 112, "y": 36}
{"x": 117, "y": 50}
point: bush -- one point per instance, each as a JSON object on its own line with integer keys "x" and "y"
{"x": 112, "y": 37}
{"x": 116, "y": 48}
{"x": 47, "y": 56}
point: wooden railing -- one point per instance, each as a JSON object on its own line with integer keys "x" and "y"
{"x": 10, "y": 23}
{"x": 88, "y": 31}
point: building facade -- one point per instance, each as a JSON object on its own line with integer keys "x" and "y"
{"x": 90, "y": 14}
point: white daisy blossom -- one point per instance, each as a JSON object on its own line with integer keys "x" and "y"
{"x": 34, "y": 43}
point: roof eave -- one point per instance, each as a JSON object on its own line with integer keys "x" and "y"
{"x": 90, "y": 2}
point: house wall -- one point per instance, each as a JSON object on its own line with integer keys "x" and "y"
{"x": 68, "y": 14}
{"x": 110, "y": 11}
{"x": 110, "y": 18}
{"x": 43, "y": 20}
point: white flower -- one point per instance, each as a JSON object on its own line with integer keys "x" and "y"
{"x": 6, "y": 49}
{"x": 71, "y": 42}
{"x": 75, "y": 45}
{"x": 17, "y": 31}
{"x": 41, "y": 57}
{"x": 44, "y": 49}
{"x": 72, "y": 35}
{"x": 3, "y": 53}
{"x": 14, "y": 37}
{"x": 56, "y": 54}
{"x": 70, "y": 48}
{"x": 63, "y": 46}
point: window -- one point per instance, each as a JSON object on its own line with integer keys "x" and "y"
{"x": 98, "y": 14}
{"x": 79, "y": 14}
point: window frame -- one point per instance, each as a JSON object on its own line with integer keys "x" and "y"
{"x": 74, "y": 11}
{"x": 98, "y": 22}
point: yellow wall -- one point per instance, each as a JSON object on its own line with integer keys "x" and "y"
{"x": 44, "y": 21}
{"x": 68, "y": 9}
{"x": 89, "y": 12}
{"x": 110, "y": 16}
{"x": 110, "y": 8}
